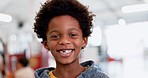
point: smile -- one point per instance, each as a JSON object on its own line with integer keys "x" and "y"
{"x": 65, "y": 52}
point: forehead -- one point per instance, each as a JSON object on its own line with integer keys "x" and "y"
{"x": 63, "y": 22}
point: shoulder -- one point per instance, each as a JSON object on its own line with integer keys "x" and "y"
{"x": 29, "y": 73}
{"x": 43, "y": 72}
{"x": 93, "y": 71}
{"x": 100, "y": 74}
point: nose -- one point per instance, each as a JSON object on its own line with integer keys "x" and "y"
{"x": 64, "y": 40}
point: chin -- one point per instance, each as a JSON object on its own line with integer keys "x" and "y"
{"x": 67, "y": 62}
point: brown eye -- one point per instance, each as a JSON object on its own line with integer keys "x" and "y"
{"x": 73, "y": 35}
{"x": 55, "y": 36}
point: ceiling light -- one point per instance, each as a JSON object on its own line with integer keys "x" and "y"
{"x": 5, "y": 18}
{"x": 134, "y": 8}
{"x": 121, "y": 22}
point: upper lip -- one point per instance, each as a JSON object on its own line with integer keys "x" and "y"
{"x": 64, "y": 49}
{"x": 61, "y": 48}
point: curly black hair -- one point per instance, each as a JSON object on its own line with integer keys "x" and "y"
{"x": 53, "y": 8}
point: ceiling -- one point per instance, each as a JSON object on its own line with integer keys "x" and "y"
{"x": 107, "y": 12}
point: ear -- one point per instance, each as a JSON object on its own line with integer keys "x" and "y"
{"x": 45, "y": 45}
{"x": 85, "y": 41}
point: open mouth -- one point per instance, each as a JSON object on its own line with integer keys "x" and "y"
{"x": 65, "y": 52}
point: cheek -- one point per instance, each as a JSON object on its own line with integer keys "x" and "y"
{"x": 51, "y": 45}
{"x": 79, "y": 44}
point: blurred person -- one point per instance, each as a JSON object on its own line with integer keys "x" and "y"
{"x": 64, "y": 26}
{"x": 23, "y": 70}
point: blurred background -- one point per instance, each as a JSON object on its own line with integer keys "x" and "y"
{"x": 119, "y": 42}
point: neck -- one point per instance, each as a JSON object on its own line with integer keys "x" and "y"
{"x": 68, "y": 71}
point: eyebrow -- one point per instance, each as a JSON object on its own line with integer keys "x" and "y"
{"x": 68, "y": 30}
{"x": 75, "y": 29}
{"x": 52, "y": 31}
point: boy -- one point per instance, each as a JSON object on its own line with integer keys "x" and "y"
{"x": 64, "y": 26}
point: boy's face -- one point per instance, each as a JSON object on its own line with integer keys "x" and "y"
{"x": 64, "y": 39}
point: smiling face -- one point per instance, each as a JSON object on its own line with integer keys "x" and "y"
{"x": 64, "y": 39}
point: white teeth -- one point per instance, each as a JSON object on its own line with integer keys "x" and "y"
{"x": 65, "y": 51}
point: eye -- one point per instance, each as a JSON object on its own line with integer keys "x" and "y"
{"x": 54, "y": 36}
{"x": 73, "y": 35}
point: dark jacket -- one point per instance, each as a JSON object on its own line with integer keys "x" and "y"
{"x": 92, "y": 71}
